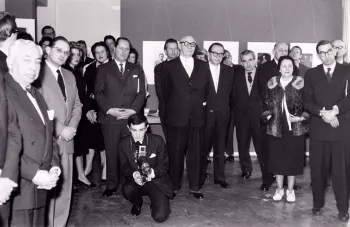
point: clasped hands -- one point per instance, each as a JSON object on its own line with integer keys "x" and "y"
{"x": 92, "y": 116}
{"x": 138, "y": 177}
{"x": 68, "y": 133}
{"x": 121, "y": 113}
{"x": 47, "y": 179}
{"x": 329, "y": 116}
{"x": 6, "y": 188}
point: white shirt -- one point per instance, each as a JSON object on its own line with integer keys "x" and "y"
{"x": 188, "y": 63}
{"x": 215, "y": 73}
{"x": 54, "y": 69}
{"x": 118, "y": 64}
{"x": 325, "y": 68}
{"x": 35, "y": 103}
{"x": 4, "y": 51}
{"x": 250, "y": 85}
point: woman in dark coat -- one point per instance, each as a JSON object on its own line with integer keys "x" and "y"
{"x": 286, "y": 117}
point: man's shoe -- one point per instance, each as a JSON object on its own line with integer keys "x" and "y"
{"x": 246, "y": 175}
{"x": 230, "y": 159}
{"x": 175, "y": 193}
{"x": 264, "y": 187}
{"x": 296, "y": 187}
{"x": 316, "y": 211}
{"x": 222, "y": 184}
{"x": 343, "y": 216}
{"x": 109, "y": 192}
{"x": 136, "y": 210}
{"x": 197, "y": 195}
{"x": 208, "y": 161}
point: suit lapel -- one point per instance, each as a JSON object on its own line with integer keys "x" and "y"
{"x": 183, "y": 72}
{"x": 127, "y": 71}
{"x": 221, "y": 77}
{"x": 195, "y": 67}
{"x": 244, "y": 83}
{"x": 212, "y": 81}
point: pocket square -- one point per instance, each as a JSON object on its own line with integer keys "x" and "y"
{"x": 51, "y": 114}
{"x": 135, "y": 76}
{"x": 152, "y": 155}
{"x": 204, "y": 103}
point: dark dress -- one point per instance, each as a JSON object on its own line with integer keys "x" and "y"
{"x": 81, "y": 138}
{"x": 286, "y": 153}
{"x": 95, "y": 136}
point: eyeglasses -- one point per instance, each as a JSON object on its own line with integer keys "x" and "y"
{"x": 48, "y": 33}
{"x": 339, "y": 47}
{"x": 216, "y": 54}
{"x": 60, "y": 51}
{"x": 187, "y": 44}
{"x": 323, "y": 54}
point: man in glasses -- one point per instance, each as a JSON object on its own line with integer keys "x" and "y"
{"x": 60, "y": 92}
{"x": 185, "y": 85}
{"x": 219, "y": 108}
{"x": 171, "y": 50}
{"x": 340, "y": 47}
{"x": 10, "y": 138}
{"x": 48, "y": 31}
{"x": 326, "y": 91}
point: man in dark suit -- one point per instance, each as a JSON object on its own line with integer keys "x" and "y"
{"x": 8, "y": 126}
{"x": 219, "y": 108}
{"x": 120, "y": 92}
{"x": 48, "y": 31}
{"x": 171, "y": 50}
{"x": 326, "y": 98}
{"x": 340, "y": 47}
{"x": 85, "y": 58}
{"x": 144, "y": 163}
{"x": 39, "y": 168}
{"x": 296, "y": 53}
{"x": 185, "y": 85}
{"x": 247, "y": 118}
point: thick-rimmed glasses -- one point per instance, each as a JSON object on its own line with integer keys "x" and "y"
{"x": 187, "y": 44}
{"x": 323, "y": 54}
{"x": 60, "y": 51}
{"x": 216, "y": 54}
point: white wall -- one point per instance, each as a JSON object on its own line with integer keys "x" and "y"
{"x": 89, "y": 20}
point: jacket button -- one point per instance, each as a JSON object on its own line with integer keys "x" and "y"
{"x": 211, "y": 111}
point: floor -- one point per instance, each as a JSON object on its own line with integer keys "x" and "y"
{"x": 242, "y": 204}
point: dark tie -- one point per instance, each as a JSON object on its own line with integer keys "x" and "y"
{"x": 122, "y": 71}
{"x": 328, "y": 74}
{"x": 61, "y": 84}
{"x": 250, "y": 79}
{"x": 31, "y": 90}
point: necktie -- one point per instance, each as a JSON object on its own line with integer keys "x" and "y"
{"x": 328, "y": 74}
{"x": 122, "y": 71}
{"x": 31, "y": 90}
{"x": 250, "y": 79}
{"x": 61, "y": 84}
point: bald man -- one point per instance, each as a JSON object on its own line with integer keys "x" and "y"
{"x": 340, "y": 47}
{"x": 185, "y": 84}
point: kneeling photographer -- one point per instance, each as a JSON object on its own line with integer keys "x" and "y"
{"x": 144, "y": 163}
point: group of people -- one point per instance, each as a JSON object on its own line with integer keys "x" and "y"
{"x": 57, "y": 106}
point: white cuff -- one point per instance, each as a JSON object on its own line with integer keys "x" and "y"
{"x": 55, "y": 168}
{"x": 152, "y": 174}
{"x": 335, "y": 107}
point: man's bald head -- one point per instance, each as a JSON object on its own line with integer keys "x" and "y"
{"x": 187, "y": 46}
{"x": 340, "y": 47}
{"x": 280, "y": 49}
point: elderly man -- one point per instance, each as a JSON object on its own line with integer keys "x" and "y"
{"x": 326, "y": 91}
{"x": 39, "y": 169}
{"x": 340, "y": 47}
{"x": 60, "y": 92}
{"x": 185, "y": 85}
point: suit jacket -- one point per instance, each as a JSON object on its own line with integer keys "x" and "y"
{"x": 320, "y": 93}
{"x": 155, "y": 147}
{"x": 185, "y": 96}
{"x": 220, "y": 103}
{"x": 112, "y": 92}
{"x": 266, "y": 71}
{"x": 67, "y": 113}
{"x": 87, "y": 61}
{"x": 302, "y": 70}
{"x": 245, "y": 103}
{"x": 158, "y": 87}
{"x": 3, "y": 64}
{"x": 39, "y": 150}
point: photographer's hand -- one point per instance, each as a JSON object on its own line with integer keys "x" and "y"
{"x": 137, "y": 178}
{"x": 151, "y": 175}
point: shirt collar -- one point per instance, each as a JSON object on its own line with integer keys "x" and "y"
{"x": 214, "y": 66}
{"x": 186, "y": 59}
{"x": 253, "y": 72}
{"x": 118, "y": 63}
{"x": 4, "y": 51}
{"x": 325, "y": 68}
{"x": 275, "y": 61}
{"x": 98, "y": 63}
{"x": 52, "y": 67}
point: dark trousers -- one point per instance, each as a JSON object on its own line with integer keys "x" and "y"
{"x": 112, "y": 135}
{"x": 215, "y": 136}
{"x": 180, "y": 140}
{"x": 326, "y": 156}
{"x": 28, "y": 218}
{"x": 159, "y": 201}
{"x": 5, "y": 214}
{"x": 229, "y": 138}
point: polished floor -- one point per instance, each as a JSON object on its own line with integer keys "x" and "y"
{"x": 242, "y": 204}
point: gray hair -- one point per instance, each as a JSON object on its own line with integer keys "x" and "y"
{"x": 18, "y": 46}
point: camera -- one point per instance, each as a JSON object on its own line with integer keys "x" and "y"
{"x": 143, "y": 163}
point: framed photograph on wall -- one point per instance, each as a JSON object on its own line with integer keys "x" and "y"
{"x": 26, "y": 25}
{"x": 231, "y": 46}
{"x": 310, "y": 58}
{"x": 262, "y": 50}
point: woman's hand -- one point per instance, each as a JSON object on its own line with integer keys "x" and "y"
{"x": 293, "y": 118}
